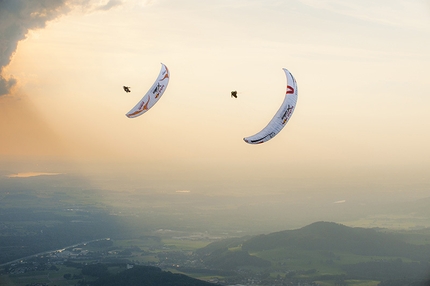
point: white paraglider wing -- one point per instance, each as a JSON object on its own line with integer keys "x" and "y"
{"x": 281, "y": 117}
{"x": 153, "y": 94}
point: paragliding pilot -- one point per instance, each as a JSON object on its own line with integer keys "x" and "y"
{"x": 126, "y": 88}
{"x": 234, "y": 94}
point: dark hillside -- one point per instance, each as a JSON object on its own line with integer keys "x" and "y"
{"x": 148, "y": 276}
{"x": 330, "y": 236}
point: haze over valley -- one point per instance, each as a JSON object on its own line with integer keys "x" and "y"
{"x": 178, "y": 190}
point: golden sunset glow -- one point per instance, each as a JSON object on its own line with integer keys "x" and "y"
{"x": 363, "y": 94}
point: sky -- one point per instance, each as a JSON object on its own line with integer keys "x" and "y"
{"x": 361, "y": 123}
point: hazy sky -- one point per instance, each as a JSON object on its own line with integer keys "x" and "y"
{"x": 362, "y": 120}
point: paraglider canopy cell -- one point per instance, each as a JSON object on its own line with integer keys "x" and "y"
{"x": 234, "y": 94}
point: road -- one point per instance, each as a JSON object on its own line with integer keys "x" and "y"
{"x": 51, "y": 251}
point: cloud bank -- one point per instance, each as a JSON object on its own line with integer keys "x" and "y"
{"x": 17, "y": 17}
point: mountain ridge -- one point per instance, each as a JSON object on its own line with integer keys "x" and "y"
{"x": 330, "y": 236}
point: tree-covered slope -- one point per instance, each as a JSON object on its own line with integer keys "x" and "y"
{"x": 329, "y": 236}
{"x": 148, "y": 276}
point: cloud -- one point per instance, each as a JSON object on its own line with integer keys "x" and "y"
{"x": 17, "y": 17}
{"x": 110, "y": 4}
{"x": 89, "y": 6}
{"x": 6, "y": 84}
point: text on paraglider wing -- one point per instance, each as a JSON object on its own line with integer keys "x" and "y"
{"x": 287, "y": 114}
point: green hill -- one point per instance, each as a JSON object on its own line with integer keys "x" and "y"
{"x": 148, "y": 276}
{"x": 329, "y": 236}
{"x": 330, "y": 252}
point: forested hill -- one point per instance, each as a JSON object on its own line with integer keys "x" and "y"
{"x": 331, "y": 236}
{"x": 148, "y": 276}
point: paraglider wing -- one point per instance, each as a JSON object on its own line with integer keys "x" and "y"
{"x": 281, "y": 117}
{"x": 153, "y": 94}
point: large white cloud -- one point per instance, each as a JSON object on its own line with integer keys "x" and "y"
{"x": 17, "y": 17}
